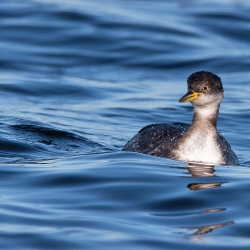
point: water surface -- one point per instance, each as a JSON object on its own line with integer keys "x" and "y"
{"x": 77, "y": 81}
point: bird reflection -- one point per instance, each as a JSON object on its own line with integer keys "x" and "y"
{"x": 200, "y": 186}
{"x": 200, "y": 170}
{"x": 200, "y": 230}
{"x": 210, "y": 228}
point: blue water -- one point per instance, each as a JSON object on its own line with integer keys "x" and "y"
{"x": 77, "y": 80}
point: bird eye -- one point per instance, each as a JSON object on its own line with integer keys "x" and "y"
{"x": 205, "y": 88}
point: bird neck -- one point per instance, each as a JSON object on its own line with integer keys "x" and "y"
{"x": 206, "y": 116}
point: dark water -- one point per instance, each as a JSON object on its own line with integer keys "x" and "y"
{"x": 78, "y": 79}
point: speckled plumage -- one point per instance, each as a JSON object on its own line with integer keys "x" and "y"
{"x": 199, "y": 142}
{"x": 157, "y": 139}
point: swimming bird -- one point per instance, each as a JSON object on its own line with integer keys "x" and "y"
{"x": 199, "y": 142}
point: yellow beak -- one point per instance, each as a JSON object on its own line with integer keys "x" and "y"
{"x": 190, "y": 96}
